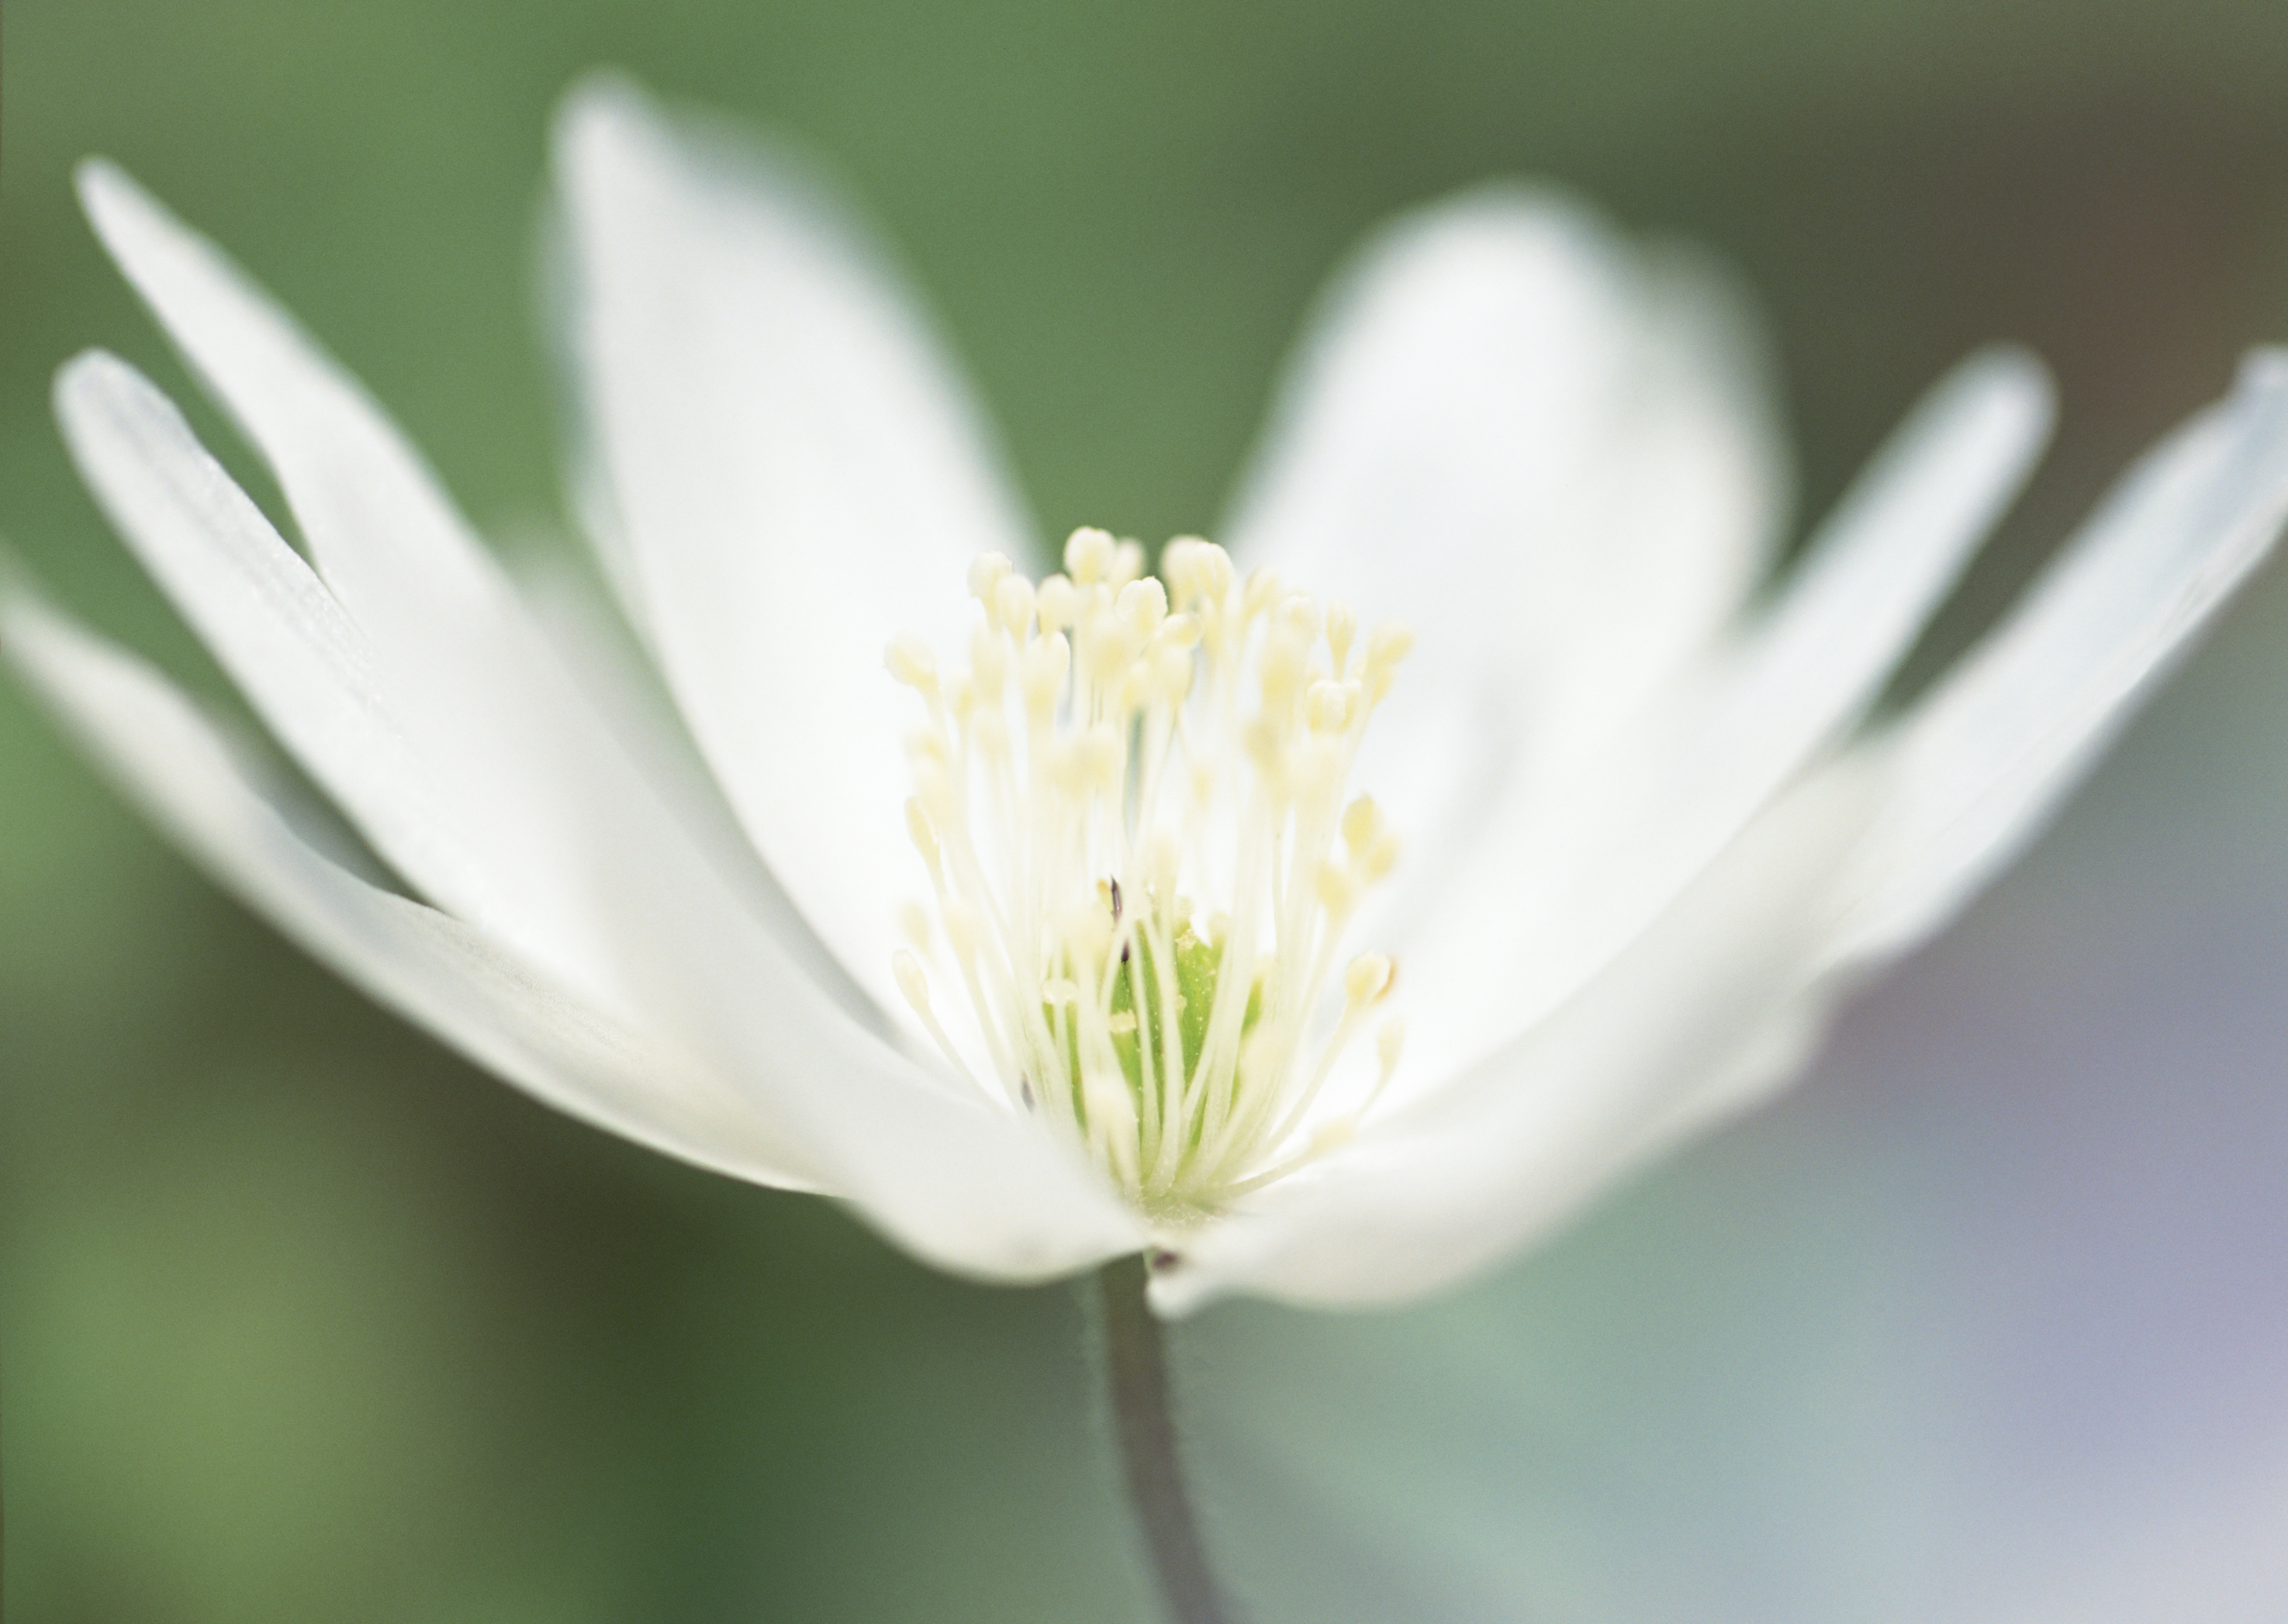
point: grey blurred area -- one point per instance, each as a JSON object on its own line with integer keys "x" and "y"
{"x": 302, "y": 1316}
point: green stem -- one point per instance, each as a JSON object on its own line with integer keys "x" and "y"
{"x": 1136, "y": 1371}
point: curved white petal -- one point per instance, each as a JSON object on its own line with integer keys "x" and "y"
{"x": 794, "y": 476}
{"x": 284, "y": 640}
{"x": 462, "y": 985}
{"x": 459, "y": 675}
{"x": 1557, "y": 457}
{"x": 569, "y": 833}
{"x": 1717, "y": 989}
{"x": 1988, "y": 754}
{"x": 1563, "y": 876}
{"x": 505, "y": 730}
{"x": 821, "y": 1104}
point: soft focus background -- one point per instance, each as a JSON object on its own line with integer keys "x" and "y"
{"x": 300, "y": 1317}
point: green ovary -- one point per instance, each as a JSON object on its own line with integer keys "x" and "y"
{"x": 1136, "y": 983}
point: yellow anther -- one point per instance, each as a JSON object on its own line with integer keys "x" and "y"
{"x": 1143, "y": 605}
{"x": 1264, "y": 589}
{"x": 1338, "y": 892}
{"x": 1013, "y": 606}
{"x": 914, "y": 924}
{"x": 1088, "y": 554}
{"x": 1196, "y": 572}
{"x": 911, "y": 982}
{"x": 985, "y": 571}
{"x": 1391, "y": 643}
{"x": 1362, "y": 822}
{"x": 1127, "y": 563}
{"x": 1180, "y": 632}
{"x": 910, "y": 663}
{"x": 1056, "y": 603}
{"x": 1366, "y": 978}
{"x": 1181, "y": 566}
{"x": 1300, "y": 616}
{"x": 1215, "y": 573}
{"x": 1041, "y": 673}
{"x": 921, "y": 831}
{"x": 1327, "y": 707}
{"x": 934, "y": 788}
{"x": 1342, "y": 629}
{"x": 1381, "y": 856}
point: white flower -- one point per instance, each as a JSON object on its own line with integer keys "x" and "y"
{"x": 1650, "y": 830}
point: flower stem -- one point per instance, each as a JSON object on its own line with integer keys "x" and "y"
{"x": 1136, "y": 1373}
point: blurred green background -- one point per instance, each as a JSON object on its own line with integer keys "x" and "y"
{"x": 302, "y": 1318}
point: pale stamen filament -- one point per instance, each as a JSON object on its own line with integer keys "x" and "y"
{"x": 1097, "y": 765}
{"x": 915, "y": 986}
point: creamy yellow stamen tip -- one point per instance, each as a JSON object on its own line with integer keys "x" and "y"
{"x": 1366, "y": 979}
{"x": 1117, "y": 745}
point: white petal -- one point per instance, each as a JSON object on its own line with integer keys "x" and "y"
{"x": 951, "y": 1178}
{"x": 795, "y": 477}
{"x": 1436, "y": 1191}
{"x": 463, "y": 986}
{"x": 1988, "y": 754}
{"x": 1556, "y": 458}
{"x": 460, "y": 676}
{"x": 384, "y": 537}
{"x": 500, "y": 725}
{"x": 585, "y": 868}
{"x": 305, "y": 666}
{"x": 1564, "y": 875}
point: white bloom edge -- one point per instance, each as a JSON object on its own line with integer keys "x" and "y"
{"x": 400, "y": 668}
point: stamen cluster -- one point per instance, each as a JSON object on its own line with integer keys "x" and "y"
{"x": 1115, "y": 748}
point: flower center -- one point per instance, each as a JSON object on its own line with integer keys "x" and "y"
{"x": 1116, "y": 748}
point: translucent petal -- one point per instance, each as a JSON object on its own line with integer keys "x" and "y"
{"x": 585, "y": 867}
{"x": 793, "y": 476}
{"x": 506, "y": 730}
{"x": 509, "y": 760}
{"x": 1987, "y": 755}
{"x": 1435, "y": 1191}
{"x": 1556, "y": 456}
{"x": 461, "y": 985}
{"x": 820, "y": 1102}
{"x": 283, "y": 637}
{"x": 1563, "y": 875}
